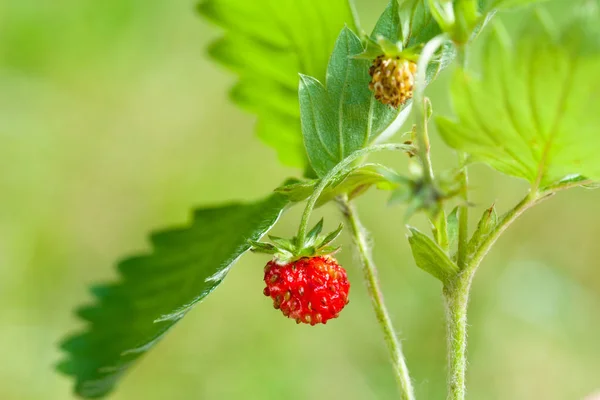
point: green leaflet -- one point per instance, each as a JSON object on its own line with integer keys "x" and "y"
{"x": 157, "y": 289}
{"x": 417, "y": 24}
{"x": 534, "y": 113}
{"x": 267, "y": 43}
{"x": 343, "y": 116}
{"x": 430, "y": 257}
{"x": 487, "y": 223}
{"x": 388, "y": 24}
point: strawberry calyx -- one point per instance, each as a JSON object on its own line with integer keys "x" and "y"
{"x": 288, "y": 250}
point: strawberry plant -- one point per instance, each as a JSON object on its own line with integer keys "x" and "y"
{"x": 327, "y": 95}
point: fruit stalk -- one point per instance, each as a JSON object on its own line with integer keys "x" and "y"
{"x": 359, "y": 236}
{"x": 331, "y": 175}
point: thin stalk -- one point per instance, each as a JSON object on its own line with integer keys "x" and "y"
{"x": 332, "y": 175}
{"x": 456, "y": 296}
{"x": 419, "y": 105}
{"x": 370, "y": 274}
{"x": 463, "y": 211}
{"x": 463, "y": 215}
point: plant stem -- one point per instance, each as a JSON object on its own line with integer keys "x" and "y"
{"x": 370, "y": 274}
{"x": 456, "y": 296}
{"x": 332, "y": 175}
{"x": 419, "y": 105}
{"x": 463, "y": 215}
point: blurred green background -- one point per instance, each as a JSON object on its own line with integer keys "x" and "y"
{"x": 113, "y": 122}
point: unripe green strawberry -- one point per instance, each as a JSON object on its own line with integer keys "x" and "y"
{"x": 392, "y": 80}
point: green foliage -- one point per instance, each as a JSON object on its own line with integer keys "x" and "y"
{"x": 353, "y": 183}
{"x": 488, "y": 5}
{"x": 402, "y": 30}
{"x": 452, "y": 226}
{"x": 418, "y": 25}
{"x": 533, "y": 114}
{"x": 430, "y": 257}
{"x": 315, "y": 244}
{"x": 486, "y": 224}
{"x": 343, "y": 116}
{"x": 267, "y": 43}
{"x": 388, "y": 25}
{"x": 156, "y": 290}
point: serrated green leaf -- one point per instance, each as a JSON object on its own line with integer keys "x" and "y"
{"x": 157, "y": 289}
{"x": 342, "y": 116}
{"x": 430, "y": 257}
{"x": 267, "y": 43}
{"x": 534, "y": 113}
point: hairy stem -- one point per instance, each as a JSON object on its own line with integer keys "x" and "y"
{"x": 332, "y": 175}
{"x": 370, "y": 274}
{"x": 456, "y": 296}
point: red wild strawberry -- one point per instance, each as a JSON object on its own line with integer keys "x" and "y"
{"x": 311, "y": 290}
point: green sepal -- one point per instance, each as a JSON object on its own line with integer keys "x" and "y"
{"x": 430, "y": 257}
{"x": 372, "y": 50}
{"x": 331, "y": 237}
{"x": 258, "y": 247}
{"x": 439, "y": 228}
{"x": 384, "y": 47}
{"x": 282, "y": 243}
{"x": 288, "y": 250}
{"x": 330, "y": 250}
{"x": 313, "y": 234}
{"x": 486, "y": 224}
{"x": 452, "y": 223}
